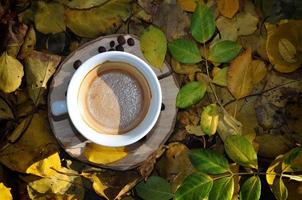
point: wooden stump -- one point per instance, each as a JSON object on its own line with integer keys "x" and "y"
{"x": 74, "y": 143}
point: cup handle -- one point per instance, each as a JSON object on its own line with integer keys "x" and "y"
{"x": 59, "y": 108}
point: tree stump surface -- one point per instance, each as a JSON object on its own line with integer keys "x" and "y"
{"x": 74, "y": 143}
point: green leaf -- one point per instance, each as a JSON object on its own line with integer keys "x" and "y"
{"x": 202, "y": 23}
{"x": 209, "y": 119}
{"x": 209, "y": 161}
{"x": 153, "y": 44}
{"x": 224, "y": 51}
{"x": 156, "y": 188}
{"x": 240, "y": 150}
{"x": 222, "y": 189}
{"x": 49, "y": 17}
{"x": 251, "y": 189}
{"x": 190, "y": 94}
{"x": 279, "y": 189}
{"x": 11, "y": 73}
{"x": 195, "y": 187}
{"x": 5, "y": 110}
{"x": 293, "y": 159}
{"x": 184, "y": 51}
{"x": 39, "y": 68}
{"x": 98, "y": 20}
{"x": 221, "y": 77}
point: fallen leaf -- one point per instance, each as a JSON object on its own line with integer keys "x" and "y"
{"x": 6, "y": 111}
{"x": 11, "y": 73}
{"x": 46, "y": 167}
{"x": 79, "y": 4}
{"x": 64, "y": 182}
{"x": 228, "y": 8}
{"x": 189, "y": 5}
{"x": 49, "y": 17}
{"x": 276, "y": 37}
{"x": 5, "y": 192}
{"x": 190, "y": 94}
{"x": 202, "y": 23}
{"x": 89, "y": 23}
{"x": 259, "y": 70}
{"x": 195, "y": 130}
{"x": 287, "y": 50}
{"x": 103, "y": 155}
{"x": 221, "y": 77}
{"x": 239, "y": 79}
{"x": 39, "y": 68}
{"x": 223, "y": 51}
{"x": 184, "y": 51}
{"x": 175, "y": 165}
{"x": 15, "y": 40}
{"x": 155, "y": 188}
{"x": 228, "y": 125}
{"x": 19, "y": 130}
{"x": 246, "y": 23}
{"x": 153, "y": 45}
{"x": 35, "y": 145}
{"x": 184, "y": 68}
{"x": 171, "y": 19}
{"x": 227, "y": 28}
{"x": 29, "y": 43}
{"x": 209, "y": 119}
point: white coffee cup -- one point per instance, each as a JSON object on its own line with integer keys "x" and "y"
{"x": 70, "y": 105}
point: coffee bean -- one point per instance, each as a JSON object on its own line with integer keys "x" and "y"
{"x": 163, "y": 107}
{"x": 121, "y": 40}
{"x": 112, "y": 43}
{"x": 101, "y": 49}
{"x": 130, "y": 41}
{"x": 119, "y": 48}
{"x": 77, "y": 64}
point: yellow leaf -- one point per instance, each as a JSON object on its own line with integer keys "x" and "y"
{"x": 65, "y": 182}
{"x": 184, "y": 68}
{"x": 39, "y": 68}
{"x": 227, "y": 28}
{"x": 80, "y": 4}
{"x": 11, "y": 73}
{"x": 103, "y": 155}
{"x": 195, "y": 130}
{"x": 49, "y": 17}
{"x": 220, "y": 78}
{"x": 98, "y": 20}
{"x": 239, "y": 79}
{"x": 287, "y": 35}
{"x": 5, "y": 192}
{"x": 98, "y": 186}
{"x": 228, "y": 8}
{"x": 259, "y": 70}
{"x": 153, "y": 44}
{"x": 45, "y": 167}
{"x": 36, "y": 144}
{"x": 287, "y": 50}
{"x": 246, "y": 23}
{"x": 188, "y": 5}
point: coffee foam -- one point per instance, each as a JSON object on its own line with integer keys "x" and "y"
{"x": 114, "y": 98}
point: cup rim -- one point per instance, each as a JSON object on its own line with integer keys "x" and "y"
{"x": 134, "y": 134}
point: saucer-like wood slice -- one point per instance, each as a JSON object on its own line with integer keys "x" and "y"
{"x": 73, "y": 143}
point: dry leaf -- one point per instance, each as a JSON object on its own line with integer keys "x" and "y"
{"x": 246, "y": 23}
{"x": 188, "y": 5}
{"x": 228, "y": 8}
{"x": 19, "y": 130}
{"x": 220, "y": 78}
{"x": 11, "y": 73}
{"x": 29, "y": 43}
{"x": 90, "y": 23}
{"x": 35, "y": 145}
{"x": 227, "y": 28}
{"x": 5, "y": 110}
{"x": 287, "y": 38}
{"x": 195, "y": 130}
{"x": 103, "y": 155}
{"x": 49, "y": 17}
{"x": 239, "y": 78}
{"x": 228, "y": 125}
{"x": 259, "y": 70}
{"x": 5, "y": 192}
{"x": 15, "y": 40}
{"x": 287, "y": 50}
{"x": 39, "y": 68}
{"x": 80, "y": 4}
{"x": 45, "y": 167}
{"x": 184, "y": 68}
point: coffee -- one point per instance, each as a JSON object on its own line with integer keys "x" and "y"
{"x": 114, "y": 98}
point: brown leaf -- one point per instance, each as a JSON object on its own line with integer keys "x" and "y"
{"x": 259, "y": 70}
{"x": 16, "y": 38}
{"x": 188, "y": 5}
{"x": 239, "y": 77}
{"x": 228, "y": 8}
